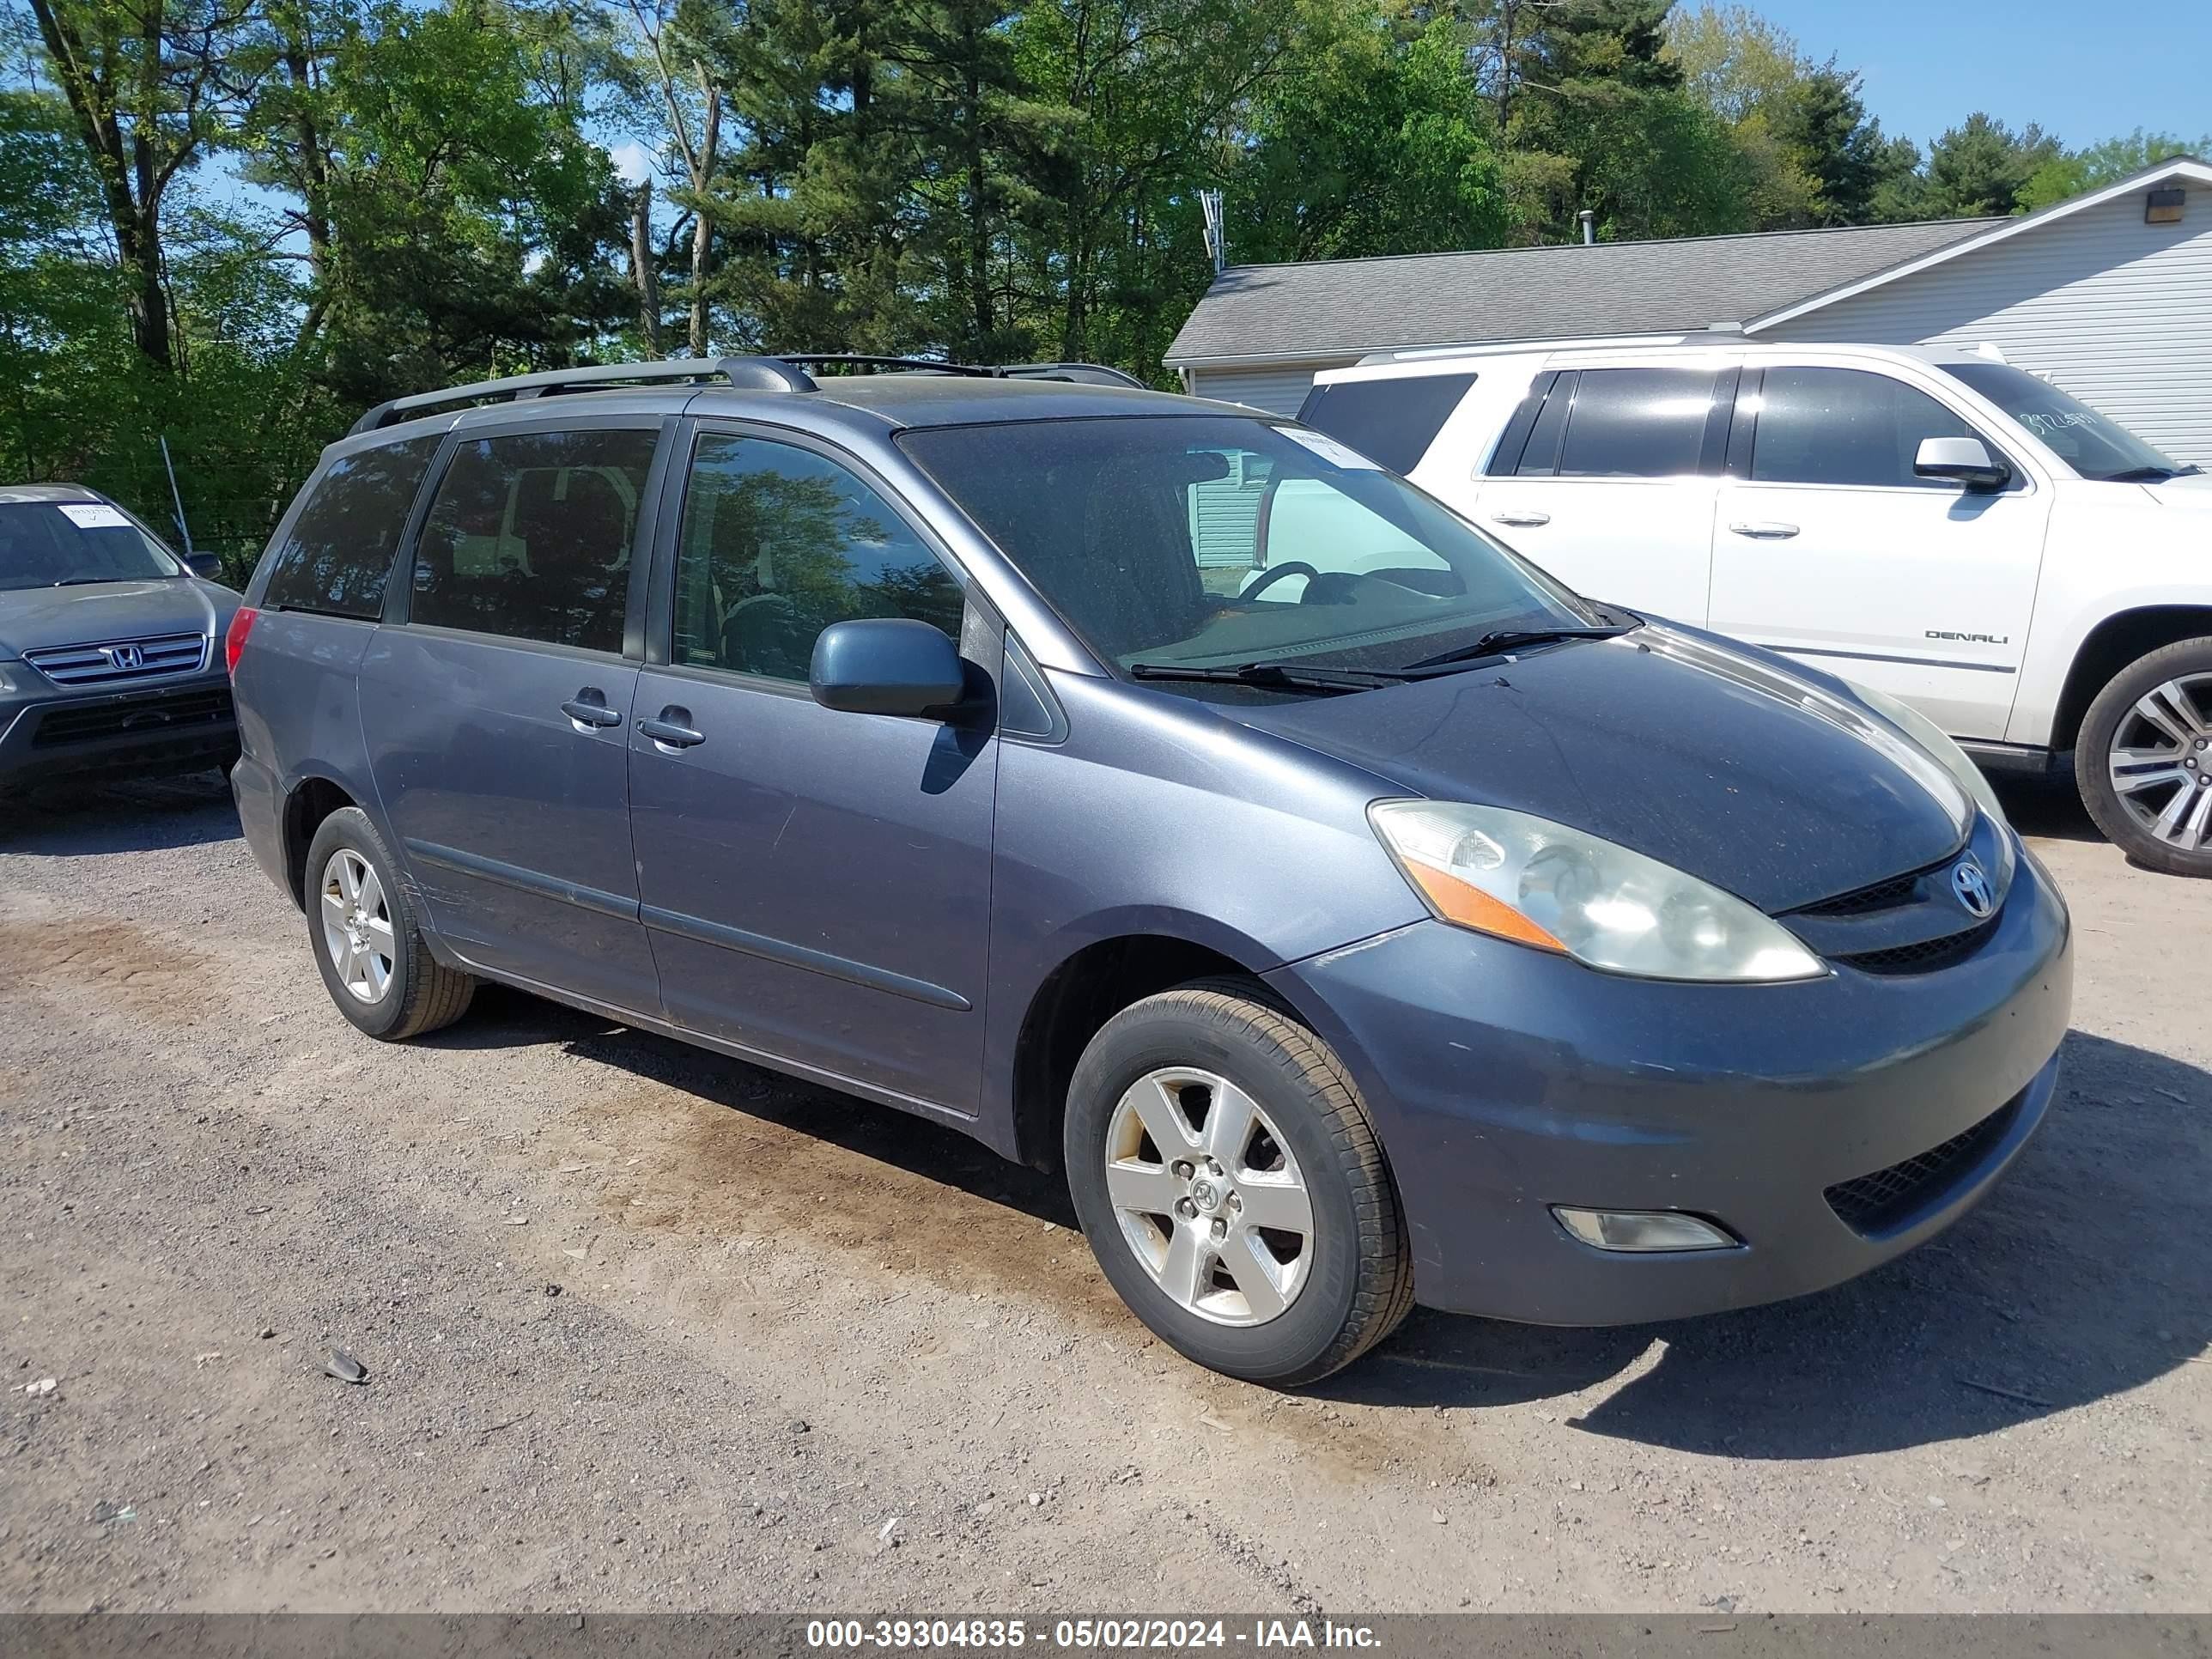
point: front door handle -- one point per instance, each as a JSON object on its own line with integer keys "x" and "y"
{"x": 1765, "y": 529}
{"x": 588, "y": 707}
{"x": 1524, "y": 520}
{"x": 672, "y": 729}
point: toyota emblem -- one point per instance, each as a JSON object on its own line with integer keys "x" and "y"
{"x": 1972, "y": 887}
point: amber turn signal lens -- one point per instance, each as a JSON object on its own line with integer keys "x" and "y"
{"x": 1470, "y": 907}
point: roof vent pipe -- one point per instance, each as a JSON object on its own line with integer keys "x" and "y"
{"x": 1590, "y": 221}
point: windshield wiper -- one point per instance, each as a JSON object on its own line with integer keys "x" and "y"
{"x": 1272, "y": 676}
{"x": 1510, "y": 639}
{"x": 2150, "y": 474}
{"x": 87, "y": 582}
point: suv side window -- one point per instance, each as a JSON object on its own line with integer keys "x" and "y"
{"x": 777, "y": 543}
{"x": 1846, "y": 426}
{"x": 1635, "y": 424}
{"x": 338, "y": 557}
{"x": 1391, "y": 421}
{"x": 530, "y": 536}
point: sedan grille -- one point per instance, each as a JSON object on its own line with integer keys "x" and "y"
{"x": 1883, "y": 1202}
{"x": 178, "y": 713}
{"x": 113, "y": 660}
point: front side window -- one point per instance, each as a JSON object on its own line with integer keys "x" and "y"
{"x": 1349, "y": 565}
{"x": 530, "y": 536}
{"x": 1392, "y": 420}
{"x": 779, "y": 542}
{"x": 336, "y": 557}
{"x": 1635, "y": 424}
{"x": 1846, "y": 426}
{"x": 2092, "y": 443}
{"x": 65, "y": 543}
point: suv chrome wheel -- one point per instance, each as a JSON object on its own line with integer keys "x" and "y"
{"x": 2160, "y": 761}
{"x": 357, "y": 926}
{"x": 1209, "y": 1197}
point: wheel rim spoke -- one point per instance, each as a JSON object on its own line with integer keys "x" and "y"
{"x": 1182, "y": 1269}
{"x": 1162, "y": 1116}
{"x": 2168, "y": 824}
{"x": 1144, "y": 1188}
{"x": 2156, "y": 761}
{"x": 1276, "y": 1203}
{"x": 1229, "y": 1126}
{"x": 1254, "y": 1271}
{"x": 2191, "y": 834}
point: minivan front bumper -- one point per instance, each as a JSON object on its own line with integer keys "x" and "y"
{"x": 1506, "y": 1081}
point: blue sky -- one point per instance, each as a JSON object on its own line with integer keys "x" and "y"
{"x": 2086, "y": 72}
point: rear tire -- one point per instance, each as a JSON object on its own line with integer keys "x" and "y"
{"x": 367, "y": 942}
{"x": 1266, "y": 1123}
{"x": 2144, "y": 756}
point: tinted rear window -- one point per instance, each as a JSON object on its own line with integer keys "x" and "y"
{"x": 1637, "y": 424}
{"x": 339, "y": 551}
{"x": 1392, "y": 421}
{"x": 530, "y": 536}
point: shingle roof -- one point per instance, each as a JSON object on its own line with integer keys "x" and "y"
{"x": 1350, "y": 306}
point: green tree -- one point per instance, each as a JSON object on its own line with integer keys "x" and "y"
{"x": 2067, "y": 175}
{"x": 1983, "y": 166}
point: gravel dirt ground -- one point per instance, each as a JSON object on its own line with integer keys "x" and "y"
{"x": 645, "y": 1329}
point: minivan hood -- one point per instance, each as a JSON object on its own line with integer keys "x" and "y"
{"x": 33, "y": 619}
{"x": 1708, "y": 758}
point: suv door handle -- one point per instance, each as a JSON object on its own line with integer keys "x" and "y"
{"x": 589, "y": 708}
{"x": 670, "y": 730}
{"x": 1765, "y": 529}
{"x": 1528, "y": 521}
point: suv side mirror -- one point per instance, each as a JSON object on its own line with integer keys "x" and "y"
{"x": 1961, "y": 460}
{"x": 885, "y": 666}
{"x": 208, "y": 566}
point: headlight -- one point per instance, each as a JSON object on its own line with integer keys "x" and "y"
{"x": 1930, "y": 737}
{"x": 1539, "y": 882}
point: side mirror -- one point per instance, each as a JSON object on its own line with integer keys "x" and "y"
{"x": 208, "y": 566}
{"x": 885, "y": 666}
{"x": 1962, "y": 461}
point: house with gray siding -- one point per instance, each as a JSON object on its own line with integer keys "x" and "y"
{"x": 2109, "y": 294}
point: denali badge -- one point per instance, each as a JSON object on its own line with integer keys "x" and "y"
{"x": 1972, "y": 888}
{"x": 1972, "y": 639}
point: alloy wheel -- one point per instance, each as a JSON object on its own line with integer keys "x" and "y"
{"x": 2160, "y": 761}
{"x": 1208, "y": 1196}
{"x": 357, "y": 925}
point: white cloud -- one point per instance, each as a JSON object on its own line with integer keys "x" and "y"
{"x": 632, "y": 161}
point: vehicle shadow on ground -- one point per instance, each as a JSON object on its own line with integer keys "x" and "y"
{"x": 2049, "y": 807}
{"x": 66, "y": 820}
{"x": 2082, "y": 1275}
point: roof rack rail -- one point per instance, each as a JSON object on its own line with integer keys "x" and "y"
{"x": 755, "y": 373}
{"x": 1090, "y": 373}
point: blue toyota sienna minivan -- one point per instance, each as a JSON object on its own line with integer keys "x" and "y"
{"x": 1154, "y": 790}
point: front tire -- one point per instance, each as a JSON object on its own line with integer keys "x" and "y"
{"x": 1231, "y": 1183}
{"x": 2144, "y": 759}
{"x": 367, "y": 942}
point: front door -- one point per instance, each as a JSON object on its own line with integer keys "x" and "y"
{"x": 497, "y": 716}
{"x": 816, "y": 884}
{"x": 1612, "y": 490}
{"x": 1827, "y": 546}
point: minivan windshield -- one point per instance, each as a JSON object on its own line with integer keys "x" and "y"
{"x": 2093, "y": 444}
{"x": 1205, "y": 541}
{"x": 61, "y": 544}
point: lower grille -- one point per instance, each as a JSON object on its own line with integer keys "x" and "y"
{"x": 1873, "y": 1205}
{"x": 1927, "y": 956}
{"x": 178, "y": 713}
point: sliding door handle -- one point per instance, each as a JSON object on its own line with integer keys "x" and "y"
{"x": 588, "y": 707}
{"x": 1765, "y": 529}
{"x": 672, "y": 729}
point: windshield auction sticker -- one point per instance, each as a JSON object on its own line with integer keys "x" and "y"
{"x": 92, "y": 515}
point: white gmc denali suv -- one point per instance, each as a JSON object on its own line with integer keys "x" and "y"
{"x": 1941, "y": 525}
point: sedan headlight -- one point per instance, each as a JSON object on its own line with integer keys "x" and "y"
{"x": 1538, "y": 883}
{"x": 1931, "y": 736}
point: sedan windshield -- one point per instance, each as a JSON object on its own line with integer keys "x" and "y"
{"x": 60, "y": 544}
{"x": 2094, "y": 445}
{"x": 1218, "y": 542}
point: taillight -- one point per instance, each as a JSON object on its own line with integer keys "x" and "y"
{"x": 233, "y": 642}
